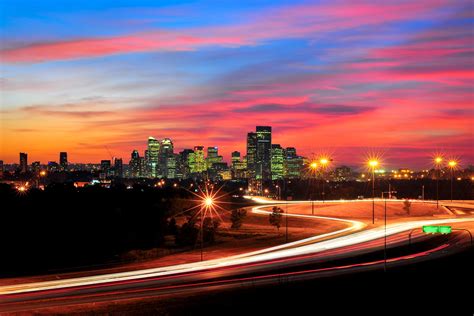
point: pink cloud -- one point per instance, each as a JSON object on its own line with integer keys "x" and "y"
{"x": 288, "y": 22}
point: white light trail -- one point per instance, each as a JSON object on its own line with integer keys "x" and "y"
{"x": 279, "y": 252}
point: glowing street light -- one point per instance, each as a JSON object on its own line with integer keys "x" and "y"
{"x": 438, "y": 160}
{"x": 373, "y": 163}
{"x": 452, "y": 164}
{"x": 324, "y": 162}
{"x": 208, "y": 201}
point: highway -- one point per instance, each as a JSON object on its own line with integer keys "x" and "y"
{"x": 338, "y": 252}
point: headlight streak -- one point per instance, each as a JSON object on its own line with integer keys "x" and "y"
{"x": 292, "y": 249}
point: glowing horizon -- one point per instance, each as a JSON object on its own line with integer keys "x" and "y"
{"x": 342, "y": 75}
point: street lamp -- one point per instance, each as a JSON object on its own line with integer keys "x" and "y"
{"x": 452, "y": 165}
{"x": 438, "y": 161}
{"x": 373, "y": 164}
{"x": 206, "y": 204}
{"x": 313, "y": 168}
{"x": 324, "y": 162}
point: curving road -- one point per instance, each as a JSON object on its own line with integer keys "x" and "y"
{"x": 308, "y": 258}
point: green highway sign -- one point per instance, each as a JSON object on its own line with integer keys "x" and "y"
{"x": 431, "y": 229}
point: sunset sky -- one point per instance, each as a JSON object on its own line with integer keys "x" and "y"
{"x": 344, "y": 77}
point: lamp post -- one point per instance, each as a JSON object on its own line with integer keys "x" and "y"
{"x": 314, "y": 167}
{"x": 372, "y": 165}
{"x": 206, "y": 204}
{"x": 324, "y": 162}
{"x": 438, "y": 160}
{"x": 452, "y": 165}
{"x": 41, "y": 174}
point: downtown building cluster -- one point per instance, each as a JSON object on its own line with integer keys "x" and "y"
{"x": 263, "y": 161}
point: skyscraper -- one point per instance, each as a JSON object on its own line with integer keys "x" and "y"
{"x": 135, "y": 165}
{"x": 238, "y": 166}
{"x": 152, "y": 157}
{"x": 263, "y": 157}
{"x": 251, "y": 154}
{"x": 166, "y": 159}
{"x": 196, "y": 161}
{"x": 277, "y": 162}
{"x": 182, "y": 164}
{"x": 118, "y": 167}
{"x": 293, "y": 164}
{"x": 235, "y": 158}
{"x": 63, "y": 160}
{"x": 105, "y": 166}
{"x": 213, "y": 157}
{"x": 23, "y": 162}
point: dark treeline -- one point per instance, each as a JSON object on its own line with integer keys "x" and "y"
{"x": 63, "y": 226}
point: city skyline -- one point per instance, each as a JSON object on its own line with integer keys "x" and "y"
{"x": 346, "y": 76}
{"x": 360, "y": 161}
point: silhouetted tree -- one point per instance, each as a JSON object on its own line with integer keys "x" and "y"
{"x": 210, "y": 226}
{"x": 275, "y": 217}
{"x": 187, "y": 233}
{"x": 237, "y": 216}
{"x": 172, "y": 228}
